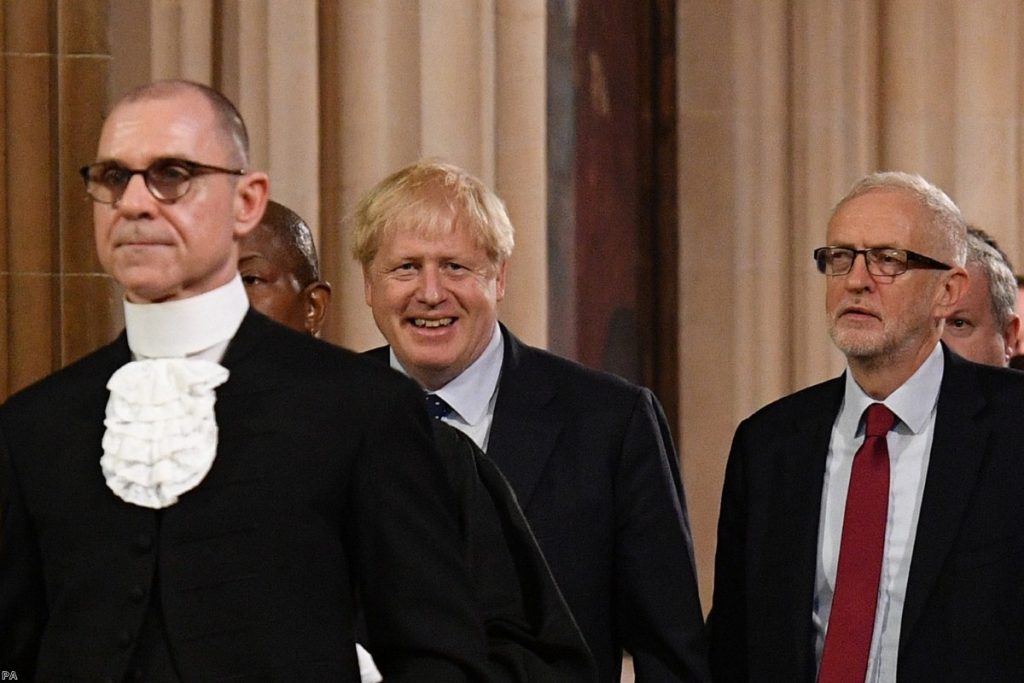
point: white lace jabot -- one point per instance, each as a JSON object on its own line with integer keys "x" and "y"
{"x": 161, "y": 435}
{"x": 161, "y": 430}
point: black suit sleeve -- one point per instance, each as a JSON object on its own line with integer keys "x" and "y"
{"x": 531, "y": 635}
{"x": 22, "y": 599}
{"x": 728, "y": 619}
{"x": 656, "y": 586}
{"x": 422, "y": 618}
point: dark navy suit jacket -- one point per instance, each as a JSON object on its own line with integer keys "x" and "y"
{"x": 591, "y": 460}
{"x": 963, "y": 619}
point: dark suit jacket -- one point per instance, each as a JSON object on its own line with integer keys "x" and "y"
{"x": 531, "y": 635}
{"x": 963, "y": 619}
{"x": 591, "y": 460}
{"x": 326, "y": 476}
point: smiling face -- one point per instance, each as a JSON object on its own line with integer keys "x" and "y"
{"x": 162, "y": 251}
{"x": 877, "y": 320}
{"x": 435, "y": 299}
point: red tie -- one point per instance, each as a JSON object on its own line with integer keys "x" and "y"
{"x": 852, "y": 620}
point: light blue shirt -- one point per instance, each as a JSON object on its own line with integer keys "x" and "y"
{"x": 473, "y": 393}
{"x": 910, "y": 445}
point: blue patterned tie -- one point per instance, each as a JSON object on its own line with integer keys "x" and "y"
{"x": 438, "y": 407}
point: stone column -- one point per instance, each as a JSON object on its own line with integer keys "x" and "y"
{"x": 56, "y": 303}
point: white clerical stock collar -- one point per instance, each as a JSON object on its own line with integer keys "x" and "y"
{"x": 161, "y": 427}
{"x": 186, "y": 327}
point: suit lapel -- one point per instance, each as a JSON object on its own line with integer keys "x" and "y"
{"x": 526, "y": 423}
{"x": 244, "y": 403}
{"x": 957, "y": 445}
{"x": 794, "y": 545}
{"x": 83, "y": 433}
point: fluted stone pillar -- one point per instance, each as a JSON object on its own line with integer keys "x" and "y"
{"x": 56, "y": 304}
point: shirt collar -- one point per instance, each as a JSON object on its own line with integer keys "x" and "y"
{"x": 470, "y": 392}
{"x": 912, "y": 402}
{"x": 185, "y": 327}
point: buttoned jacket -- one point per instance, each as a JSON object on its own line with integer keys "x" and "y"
{"x": 591, "y": 460}
{"x": 326, "y": 479}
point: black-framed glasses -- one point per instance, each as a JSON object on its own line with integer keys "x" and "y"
{"x": 881, "y": 261}
{"x": 167, "y": 179}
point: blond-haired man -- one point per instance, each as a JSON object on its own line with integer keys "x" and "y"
{"x": 588, "y": 454}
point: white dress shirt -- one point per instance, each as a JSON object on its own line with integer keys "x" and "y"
{"x": 909, "y": 444}
{"x": 466, "y": 393}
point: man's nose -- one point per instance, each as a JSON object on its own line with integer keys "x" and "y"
{"x": 431, "y": 289}
{"x": 136, "y": 199}
{"x": 859, "y": 277}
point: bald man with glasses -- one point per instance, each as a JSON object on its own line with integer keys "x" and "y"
{"x": 870, "y": 525}
{"x": 200, "y": 499}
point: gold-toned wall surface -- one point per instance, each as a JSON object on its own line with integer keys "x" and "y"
{"x": 56, "y": 304}
{"x": 339, "y": 93}
{"x": 782, "y": 106}
{"x": 457, "y": 79}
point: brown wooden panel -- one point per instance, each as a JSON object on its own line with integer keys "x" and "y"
{"x": 28, "y": 26}
{"x": 82, "y": 27}
{"x": 32, "y": 322}
{"x": 82, "y": 100}
{"x": 92, "y": 314}
{"x": 624, "y": 244}
{"x": 52, "y": 108}
{"x": 333, "y": 260}
{"x": 608, "y": 223}
{"x": 31, "y": 165}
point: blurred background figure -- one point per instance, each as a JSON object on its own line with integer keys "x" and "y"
{"x": 281, "y": 272}
{"x": 985, "y": 326}
{"x": 1017, "y": 361}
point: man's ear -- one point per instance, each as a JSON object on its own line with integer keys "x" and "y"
{"x": 318, "y": 298}
{"x": 251, "y": 195}
{"x": 367, "y": 284}
{"x": 954, "y": 286}
{"x": 1010, "y": 334}
{"x": 499, "y": 281}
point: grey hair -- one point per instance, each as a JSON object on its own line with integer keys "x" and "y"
{"x": 947, "y": 222}
{"x": 1002, "y": 284}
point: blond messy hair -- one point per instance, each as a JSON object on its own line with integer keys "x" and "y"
{"x": 432, "y": 198}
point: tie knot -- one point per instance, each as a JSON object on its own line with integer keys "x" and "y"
{"x": 438, "y": 407}
{"x": 879, "y": 420}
